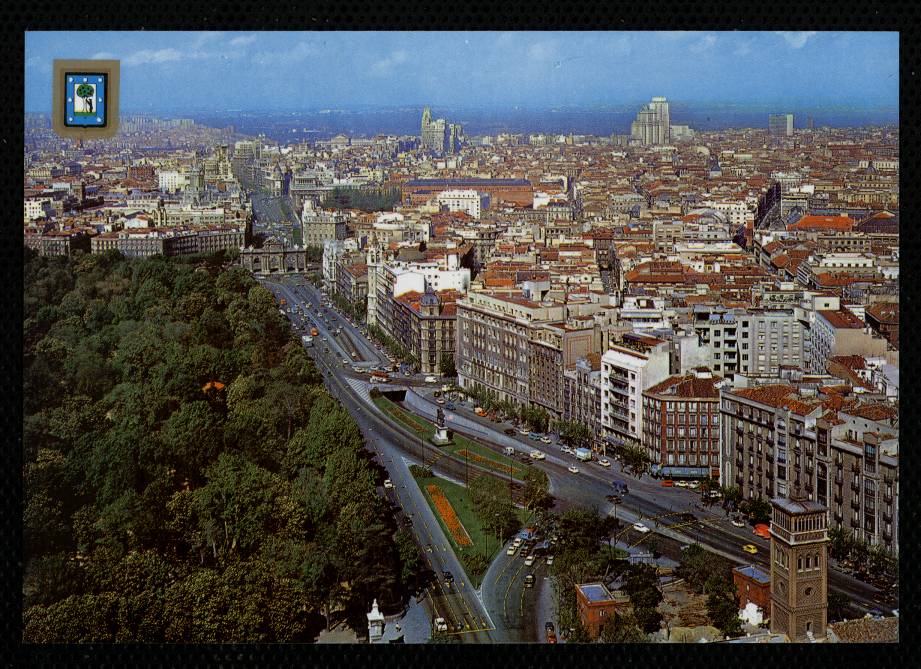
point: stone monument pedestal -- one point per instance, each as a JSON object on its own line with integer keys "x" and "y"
{"x": 440, "y": 438}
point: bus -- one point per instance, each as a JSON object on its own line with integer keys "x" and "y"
{"x": 308, "y": 340}
{"x": 379, "y": 377}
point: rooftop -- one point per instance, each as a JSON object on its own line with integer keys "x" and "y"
{"x": 755, "y": 573}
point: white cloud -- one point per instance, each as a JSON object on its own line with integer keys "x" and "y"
{"x": 103, "y": 55}
{"x": 300, "y": 51}
{"x": 703, "y": 44}
{"x": 203, "y": 38}
{"x": 743, "y": 48}
{"x": 386, "y": 65}
{"x": 796, "y": 39}
{"x": 243, "y": 40}
{"x": 149, "y": 56}
{"x": 542, "y": 50}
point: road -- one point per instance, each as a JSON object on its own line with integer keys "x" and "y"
{"x": 659, "y": 508}
{"x": 458, "y": 603}
{"x": 648, "y": 502}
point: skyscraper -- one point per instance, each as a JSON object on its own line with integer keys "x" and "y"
{"x": 781, "y": 125}
{"x": 652, "y": 124}
{"x": 439, "y": 135}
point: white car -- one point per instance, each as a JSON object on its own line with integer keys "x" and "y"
{"x": 566, "y": 449}
{"x": 573, "y": 469}
{"x": 549, "y": 560}
{"x": 681, "y": 484}
{"x": 528, "y": 561}
{"x": 431, "y": 379}
{"x": 441, "y": 625}
{"x": 737, "y": 523}
{"x": 639, "y": 527}
{"x": 604, "y": 462}
{"x": 537, "y": 455}
{"x": 388, "y": 484}
{"x": 546, "y": 440}
{"x": 518, "y": 541}
{"x": 694, "y": 485}
{"x": 511, "y": 550}
{"x": 524, "y": 431}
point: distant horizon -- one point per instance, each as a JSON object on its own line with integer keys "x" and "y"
{"x": 291, "y": 71}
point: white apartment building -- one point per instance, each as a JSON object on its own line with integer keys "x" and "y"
{"x": 736, "y": 212}
{"x": 172, "y": 180}
{"x": 470, "y": 202}
{"x": 626, "y": 371}
{"x": 35, "y": 208}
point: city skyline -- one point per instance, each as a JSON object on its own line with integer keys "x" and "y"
{"x": 175, "y": 71}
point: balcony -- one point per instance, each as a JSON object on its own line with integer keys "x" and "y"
{"x": 740, "y": 479}
{"x": 740, "y": 464}
{"x": 809, "y": 486}
{"x": 839, "y": 479}
{"x": 739, "y": 430}
{"x": 887, "y": 497}
{"x": 855, "y": 486}
{"x": 887, "y": 517}
{"x": 838, "y": 499}
{"x": 620, "y": 391}
{"x": 887, "y": 536}
{"x": 770, "y": 474}
{"x": 769, "y": 457}
{"x": 838, "y": 517}
{"x": 855, "y": 523}
{"x": 855, "y": 504}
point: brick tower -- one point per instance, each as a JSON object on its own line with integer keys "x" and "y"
{"x": 799, "y": 568}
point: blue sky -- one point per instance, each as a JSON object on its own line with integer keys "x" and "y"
{"x": 217, "y": 71}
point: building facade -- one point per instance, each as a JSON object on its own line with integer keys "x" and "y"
{"x": 626, "y": 371}
{"x": 681, "y": 422}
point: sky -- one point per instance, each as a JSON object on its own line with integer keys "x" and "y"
{"x": 288, "y": 71}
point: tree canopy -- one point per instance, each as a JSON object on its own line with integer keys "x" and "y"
{"x": 187, "y": 478}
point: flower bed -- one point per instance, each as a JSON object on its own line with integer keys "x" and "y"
{"x": 492, "y": 464}
{"x": 446, "y": 511}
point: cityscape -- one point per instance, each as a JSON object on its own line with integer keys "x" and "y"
{"x": 506, "y": 357}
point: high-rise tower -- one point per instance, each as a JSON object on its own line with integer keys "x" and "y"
{"x": 653, "y": 123}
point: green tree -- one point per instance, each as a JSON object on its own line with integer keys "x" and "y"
{"x": 621, "y": 629}
{"x": 723, "y": 605}
{"x": 86, "y": 92}
{"x": 446, "y": 366}
{"x": 536, "y": 493}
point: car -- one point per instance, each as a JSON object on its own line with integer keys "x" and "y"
{"x": 604, "y": 462}
{"x": 440, "y": 400}
{"x": 518, "y": 541}
{"x": 345, "y": 361}
{"x": 441, "y": 625}
{"x": 549, "y": 560}
{"x": 354, "y": 355}
{"x": 431, "y": 379}
{"x": 549, "y": 627}
{"x": 667, "y": 483}
{"x": 533, "y": 436}
{"x": 573, "y": 469}
{"x": 762, "y": 531}
{"x": 388, "y": 484}
{"x": 750, "y": 548}
{"x": 737, "y": 522}
{"x": 537, "y": 455}
{"x": 356, "y": 368}
{"x": 528, "y": 561}
{"x": 448, "y": 576}
{"x": 511, "y": 550}
{"x": 523, "y": 431}
{"x": 681, "y": 484}
{"x": 509, "y": 432}
{"x": 546, "y": 440}
{"x": 407, "y": 521}
{"x": 450, "y": 406}
{"x": 639, "y": 527}
{"x": 529, "y": 581}
{"x": 694, "y": 485}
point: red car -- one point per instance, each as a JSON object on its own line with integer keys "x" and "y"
{"x": 763, "y": 531}
{"x": 668, "y": 483}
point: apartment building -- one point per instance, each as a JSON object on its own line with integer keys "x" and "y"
{"x": 681, "y": 423}
{"x": 582, "y": 394}
{"x": 628, "y": 369}
{"x": 494, "y": 332}
{"x": 425, "y": 324}
{"x": 554, "y": 348}
{"x": 776, "y": 438}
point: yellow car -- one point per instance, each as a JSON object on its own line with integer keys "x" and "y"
{"x": 750, "y": 548}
